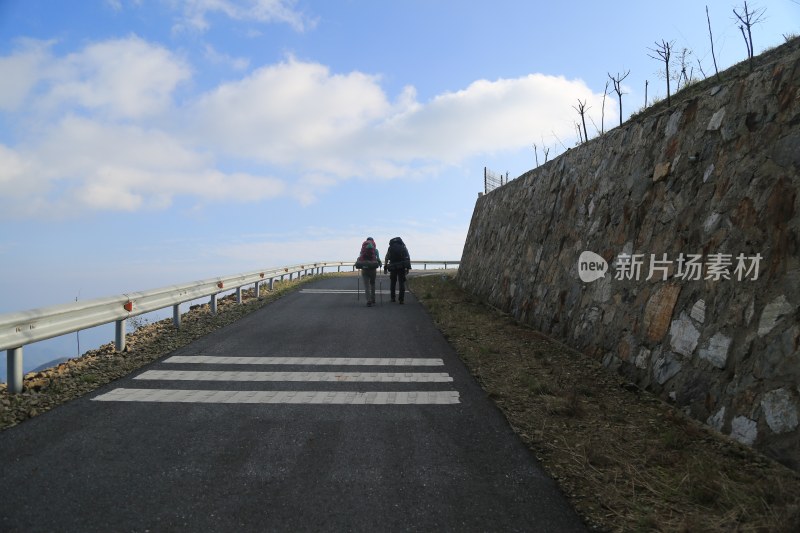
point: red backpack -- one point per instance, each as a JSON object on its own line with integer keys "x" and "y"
{"x": 367, "y": 252}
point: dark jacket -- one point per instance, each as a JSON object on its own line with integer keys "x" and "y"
{"x": 397, "y": 257}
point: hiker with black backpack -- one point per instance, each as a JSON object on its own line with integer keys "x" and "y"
{"x": 369, "y": 260}
{"x": 398, "y": 263}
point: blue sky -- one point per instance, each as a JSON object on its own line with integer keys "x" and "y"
{"x": 151, "y": 142}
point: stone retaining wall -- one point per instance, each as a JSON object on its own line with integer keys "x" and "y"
{"x": 706, "y": 192}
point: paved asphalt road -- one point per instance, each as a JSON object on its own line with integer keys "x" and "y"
{"x": 285, "y": 444}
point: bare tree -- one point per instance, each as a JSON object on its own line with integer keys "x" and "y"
{"x": 580, "y": 134}
{"x": 700, "y": 66}
{"x": 545, "y": 149}
{"x": 603, "y": 110}
{"x": 618, "y": 89}
{"x": 682, "y": 74}
{"x": 664, "y": 50}
{"x": 646, "y": 83}
{"x": 711, "y": 36}
{"x": 748, "y": 19}
{"x": 581, "y": 109}
{"x": 595, "y": 125}
{"x": 536, "y": 154}
{"x": 559, "y": 140}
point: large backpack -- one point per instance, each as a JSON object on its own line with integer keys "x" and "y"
{"x": 367, "y": 258}
{"x": 397, "y": 256}
{"x": 367, "y": 252}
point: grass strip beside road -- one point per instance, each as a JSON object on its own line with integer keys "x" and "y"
{"x": 626, "y": 460}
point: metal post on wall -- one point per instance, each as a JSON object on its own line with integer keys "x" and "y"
{"x": 14, "y": 370}
{"x": 213, "y": 303}
{"x": 176, "y": 316}
{"x": 119, "y": 335}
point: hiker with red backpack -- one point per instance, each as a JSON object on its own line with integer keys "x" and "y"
{"x": 398, "y": 263}
{"x": 369, "y": 260}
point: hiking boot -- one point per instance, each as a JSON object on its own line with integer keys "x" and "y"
{"x": 369, "y": 304}
{"x": 401, "y": 302}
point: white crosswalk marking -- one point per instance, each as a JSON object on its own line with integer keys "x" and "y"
{"x": 282, "y": 397}
{"x": 321, "y": 397}
{"x": 225, "y": 375}
{"x": 340, "y": 291}
{"x": 338, "y": 361}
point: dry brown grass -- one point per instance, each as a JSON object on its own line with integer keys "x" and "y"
{"x": 626, "y": 460}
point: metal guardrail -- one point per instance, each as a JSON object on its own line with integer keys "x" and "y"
{"x": 21, "y": 328}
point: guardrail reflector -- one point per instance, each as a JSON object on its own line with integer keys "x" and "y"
{"x": 128, "y": 306}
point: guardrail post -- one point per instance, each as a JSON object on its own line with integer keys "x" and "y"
{"x": 238, "y": 295}
{"x": 339, "y": 268}
{"x": 14, "y": 370}
{"x": 176, "y": 316}
{"x": 213, "y": 303}
{"x": 271, "y": 283}
{"x": 119, "y": 337}
{"x": 257, "y": 289}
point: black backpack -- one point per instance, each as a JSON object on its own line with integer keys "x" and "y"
{"x": 397, "y": 256}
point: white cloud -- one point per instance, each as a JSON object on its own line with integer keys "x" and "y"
{"x": 104, "y": 129}
{"x": 236, "y": 63}
{"x": 195, "y": 13}
{"x": 14, "y": 171}
{"x": 127, "y": 78}
{"x": 486, "y": 117}
{"x": 21, "y": 72}
{"x": 281, "y": 113}
{"x": 97, "y": 166}
{"x": 301, "y": 116}
{"x": 343, "y": 245}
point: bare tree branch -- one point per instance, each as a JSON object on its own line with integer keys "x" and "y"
{"x": 545, "y": 149}
{"x": 664, "y": 51}
{"x": 711, "y": 36}
{"x": 748, "y": 19}
{"x": 595, "y": 125}
{"x": 581, "y": 109}
{"x": 700, "y": 66}
{"x": 603, "y": 110}
{"x": 559, "y": 140}
{"x": 618, "y": 89}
